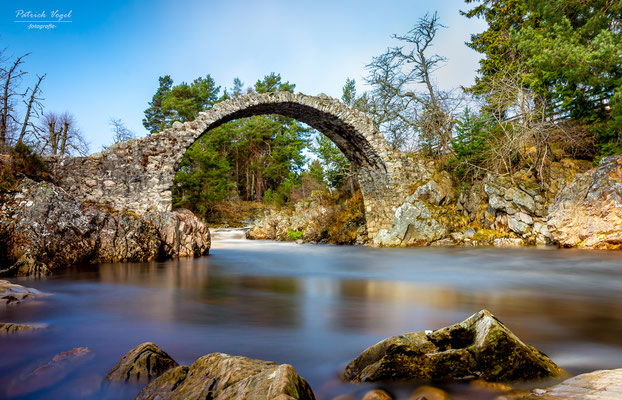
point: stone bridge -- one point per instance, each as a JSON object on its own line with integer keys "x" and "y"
{"x": 138, "y": 175}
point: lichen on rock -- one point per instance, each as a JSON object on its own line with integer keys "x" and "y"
{"x": 220, "y": 376}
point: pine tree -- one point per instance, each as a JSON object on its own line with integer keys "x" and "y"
{"x": 156, "y": 117}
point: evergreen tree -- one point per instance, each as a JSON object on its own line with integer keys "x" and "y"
{"x": 156, "y": 117}
{"x": 349, "y": 92}
{"x": 566, "y": 51}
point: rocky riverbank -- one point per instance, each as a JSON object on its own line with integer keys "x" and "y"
{"x": 579, "y": 207}
{"x": 576, "y": 209}
{"x": 43, "y": 228}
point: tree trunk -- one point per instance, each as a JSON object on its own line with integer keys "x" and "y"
{"x": 259, "y": 186}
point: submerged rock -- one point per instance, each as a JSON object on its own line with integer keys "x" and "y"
{"x": 429, "y": 393}
{"x": 377, "y": 394}
{"x": 50, "y": 372}
{"x": 221, "y": 376}
{"x": 588, "y": 212}
{"x": 11, "y": 293}
{"x": 141, "y": 365}
{"x": 478, "y": 347}
{"x": 7, "y": 328}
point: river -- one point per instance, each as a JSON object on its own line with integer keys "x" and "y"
{"x": 313, "y": 306}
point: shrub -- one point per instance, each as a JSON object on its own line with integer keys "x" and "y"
{"x": 294, "y": 235}
{"x": 21, "y": 161}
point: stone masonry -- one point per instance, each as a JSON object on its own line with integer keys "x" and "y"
{"x": 137, "y": 175}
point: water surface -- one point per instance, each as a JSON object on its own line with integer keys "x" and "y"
{"x": 315, "y": 307}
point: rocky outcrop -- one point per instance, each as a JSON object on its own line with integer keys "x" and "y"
{"x": 43, "y": 228}
{"x": 181, "y": 232}
{"x": 588, "y": 212}
{"x": 11, "y": 293}
{"x": 479, "y": 347}
{"x": 519, "y": 207}
{"x": 597, "y": 385}
{"x": 141, "y": 365}
{"x": 220, "y": 376}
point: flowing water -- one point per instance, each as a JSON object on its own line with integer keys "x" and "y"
{"x": 315, "y": 307}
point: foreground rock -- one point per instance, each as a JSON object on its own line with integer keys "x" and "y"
{"x": 7, "y": 328}
{"x": 597, "y": 385}
{"x": 50, "y": 372}
{"x": 141, "y": 365}
{"x": 43, "y": 228}
{"x": 588, "y": 213}
{"x": 478, "y": 347}
{"x": 220, "y": 376}
{"x": 11, "y": 293}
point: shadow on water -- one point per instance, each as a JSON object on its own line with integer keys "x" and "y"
{"x": 315, "y": 307}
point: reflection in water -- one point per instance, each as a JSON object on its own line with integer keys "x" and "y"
{"x": 315, "y": 307}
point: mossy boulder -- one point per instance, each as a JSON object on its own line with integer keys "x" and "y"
{"x": 479, "y": 347}
{"x": 220, "y": 376}
{"x": 141, "y": 365}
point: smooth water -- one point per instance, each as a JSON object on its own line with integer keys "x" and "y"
{"x": 315, "y": 307}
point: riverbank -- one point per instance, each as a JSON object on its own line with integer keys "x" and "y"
{"x": 581, "y": 207}
{"x": 44, "y": 228}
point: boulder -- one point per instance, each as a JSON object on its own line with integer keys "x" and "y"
{"x": 478, "y": 347}
{"x": 141, "y": 365}
{"x": 413, "y": 223}
{"x": 11, "y": 293}
{"x": 588, "y": 212}
{"x": 597, "y": 385}
{"x": 437, "y": 191}
{"x": 221, "y": 376}
{"x": 469, "y": 202}
{"x": 182, "y": 233}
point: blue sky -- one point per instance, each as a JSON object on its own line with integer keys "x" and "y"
{"x": 106, "y": 62}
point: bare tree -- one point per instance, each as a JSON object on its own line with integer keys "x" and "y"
{"x": 13, "y": 127}
{"x": 59, "y": 135}
{"x": 34, "y": 108}
{"x": 11, "y": 76}
{"x": 524, "y": 127}
{"x": 406, "y": 99}
{"x": 120, "y": 132}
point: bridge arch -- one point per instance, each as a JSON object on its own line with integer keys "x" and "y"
{"x": 138, "y": 175}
